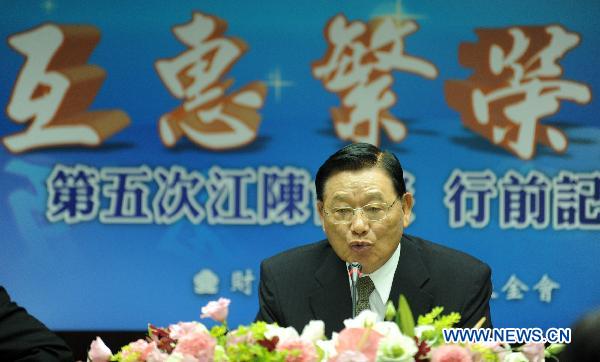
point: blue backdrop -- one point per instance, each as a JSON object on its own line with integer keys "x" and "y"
{"x": 71, "y": 254}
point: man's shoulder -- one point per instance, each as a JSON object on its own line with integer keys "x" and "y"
{"x": 439, "y": 256}
{"x": 306, "y": 255}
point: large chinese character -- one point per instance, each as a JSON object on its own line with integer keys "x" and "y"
{"x": 516, "y": 82}
{"x": 283, "y": 195}
{"x": 128, "y": 194}
{"x": 241, "y": 281}
{"x": 514, "y": 288}
{"x": 577, "y": 201}
{"x": 72, "y": 194}
{"x": 524, "y": 201}
{"x": 54, "y": 89}
{"x": 228, "y": 196}
{"x": 545, "y": 287}
{"x": 176, "y": 195}
{"x": 358, "y": 66}
{"x": 468, "y": 195}
{"x": 208, "y": 116}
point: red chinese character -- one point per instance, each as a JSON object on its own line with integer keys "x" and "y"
{"x": 516, "y": 82}
{"x": 54, "y": 89}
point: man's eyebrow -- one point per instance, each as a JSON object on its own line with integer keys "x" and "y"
{"x": 376, "y": 194}
{"x": 339, "y": 197}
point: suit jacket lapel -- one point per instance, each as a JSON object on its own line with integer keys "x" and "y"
{"x": 410, "y": 278}
{"x": 331, "y": 300}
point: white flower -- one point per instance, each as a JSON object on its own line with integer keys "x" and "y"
{"x": 284, "y": 334}
{"x": 328, "y": 347}
{"x": 398, "y": 348}
{"x": 388, "y": 329}
{"x": 175, "y": 357}
{"x": 515, "y": 357}
{"x": 313, "y": 331}
{"x": 365, "y": 319}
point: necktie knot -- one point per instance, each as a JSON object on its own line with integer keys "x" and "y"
{"x": 364, "y": 288}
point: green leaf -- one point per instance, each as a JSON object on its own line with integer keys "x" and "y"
{"x": 554, "y": 349}
{"x": 404, "y": 318}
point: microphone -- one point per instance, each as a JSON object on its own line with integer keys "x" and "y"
{"x": 354, "y": 272}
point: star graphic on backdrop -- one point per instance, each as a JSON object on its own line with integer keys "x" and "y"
{"x": 48, "y": 6}
{"x": 398, "y": 14}
{"x": 275, "y": 81}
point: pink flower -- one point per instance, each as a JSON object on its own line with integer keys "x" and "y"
{"x": 450, "y": 353}
{"x": 181, "y": 329}
{"x": 99, "y": 352}
{"x": 199, "y": 345}
{"x": 216, "y": 310}
{"x": 351, "y": 356}
{"x": 143, "y": 348}
{"x": 362, "y": 340}
{"x": 157, "y": 356}
{"x": 307, "y": 350}
{"x": 534, "y": 351}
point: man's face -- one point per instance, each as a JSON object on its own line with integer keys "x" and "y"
{"x": 370, "y": 243}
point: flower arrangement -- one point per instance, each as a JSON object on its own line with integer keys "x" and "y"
{"x": 397, "y": 339}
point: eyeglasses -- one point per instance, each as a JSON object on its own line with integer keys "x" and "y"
{"x": 376, "y": 211}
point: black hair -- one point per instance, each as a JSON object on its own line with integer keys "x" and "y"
{"x": 358, "y": 156}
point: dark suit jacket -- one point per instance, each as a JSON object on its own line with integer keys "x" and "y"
{"x": 24, "y": 338}
{"x": 311, "y": 282}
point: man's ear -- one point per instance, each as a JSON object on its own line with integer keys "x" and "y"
{"x": 320, "y": 208}
{"x": 407, "y": 205}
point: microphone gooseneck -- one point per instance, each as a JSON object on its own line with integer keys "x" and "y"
{"x": 354, "y": 272}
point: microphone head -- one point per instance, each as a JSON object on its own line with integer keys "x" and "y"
{"x": 354, "y": 270}
{"x": 356, "y": 265}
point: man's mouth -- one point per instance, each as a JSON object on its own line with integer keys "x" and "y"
{"x": 360, "y": 246}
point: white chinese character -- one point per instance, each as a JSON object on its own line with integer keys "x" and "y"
{"x": 208, "y": 117}
{"x": 206, "y": 282}
{"x": 514, "y": 288}
{"x": 358, "y": 66}
{"x": 54, "y": 89}
{"x": 242, "y": 281}
{"x": 545, "y": 287}
{"x": 515, "y": 84}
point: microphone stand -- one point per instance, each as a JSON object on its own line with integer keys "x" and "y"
{"x": 354, "y": 271}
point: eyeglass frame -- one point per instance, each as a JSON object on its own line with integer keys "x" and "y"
{"x": 355, "y": 209}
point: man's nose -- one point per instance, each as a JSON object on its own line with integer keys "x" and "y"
{"x": 359, "y": 224}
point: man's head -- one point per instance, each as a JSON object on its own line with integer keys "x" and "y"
{"x": 363, "y": 204}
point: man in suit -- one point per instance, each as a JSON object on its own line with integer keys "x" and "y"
{"x": 364, "y": 208}
{"x": 24, "y": 338}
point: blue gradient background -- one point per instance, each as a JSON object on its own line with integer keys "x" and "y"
{"x": 94, "y": 276}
